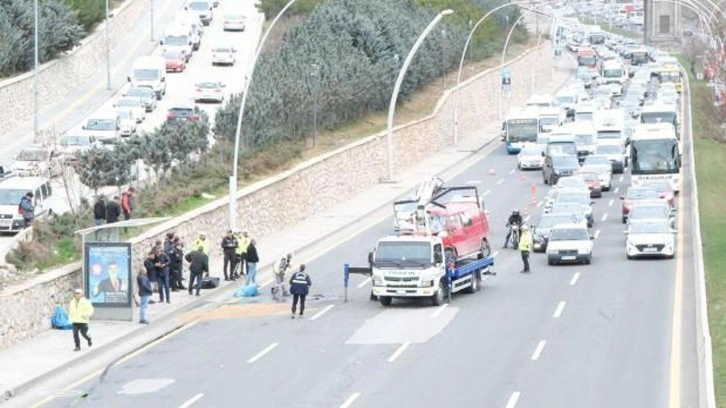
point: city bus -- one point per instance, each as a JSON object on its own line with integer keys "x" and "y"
{"x": 521, "y": 126}
{"x": 586, "y": 57}
{"x": 655, "y": 154}
{"x": 661, "y": 113}
{"x": 639, "y": 56}
{"x": 670, "y": 72}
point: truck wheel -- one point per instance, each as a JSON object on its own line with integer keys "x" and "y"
{"x": 475, "y": 283}
{"x": 486, "y": 250}
{"x": 385, "y": 300}
{"x": 438, "y": 298}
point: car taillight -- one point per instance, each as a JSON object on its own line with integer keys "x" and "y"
{"x": 170, "y": 115}
{"x": 194, "y": 117}
{"x": 199, "y": 89}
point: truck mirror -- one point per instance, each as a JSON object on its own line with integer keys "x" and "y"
{"x": 438, "y": 258}
{"x": 370, "y": 257}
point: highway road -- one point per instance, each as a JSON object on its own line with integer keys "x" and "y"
{"x": 599, "y": 335}
{"x": 180, "y": 86}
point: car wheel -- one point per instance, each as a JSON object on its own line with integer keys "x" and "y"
{"x": 550, "y": 261}
{"x": 485, "y": 249}
{"x": 588, "y": 260}
{"x": 625, "y": 220}
{"x": 544, "y": 179}
{"x": 385, "y": 300}
{"x": 629, "y": 257}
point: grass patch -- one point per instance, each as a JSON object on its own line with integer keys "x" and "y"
{"x": 182, "y": 192}
{"x": 709, "y": 150}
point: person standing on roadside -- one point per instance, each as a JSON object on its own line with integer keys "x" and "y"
{"x": 300, "y": 283}
{"x": 99, "y": 214}
{"x": 80, "y": 311}
{"x": 243, "y": 241}
{"x": 145, "y": 292}
{"x": 202, "y": 242}
{"x": 162, "y": 272}
{"x": 126, "y": 202}
{"x": 229, "y": 247}
{"x": 252, "y": 259}
{"x": 27, "y": 209}
{"x": 113, "y": 212}
{"x": 198, "y": 266}
{"x": 525, "y": 247}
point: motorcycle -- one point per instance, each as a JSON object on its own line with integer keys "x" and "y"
{"x": 515, "y": 236}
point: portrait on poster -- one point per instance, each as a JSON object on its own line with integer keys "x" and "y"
{"x": 108, "y": 273}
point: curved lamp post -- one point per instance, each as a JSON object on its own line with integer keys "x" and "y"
{"x": 397, "y": 88}
{"x": 238, "y": 129}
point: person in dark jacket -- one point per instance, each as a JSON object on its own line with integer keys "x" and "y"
{"x": 252, "y": 258}
{"x": 163, "y": 263}
{"x": 229, "y": 246}
{"x": 27, "y": 209}
{"x": 176, "y": 255}
{"x": 198, "y": 266}
{"x": 300, "y": 283}
{"x": 113, "y": 212}
{"x": 145, "y": 292}
{"x": 150, "y": 266}
{"x": 99, "y": 216}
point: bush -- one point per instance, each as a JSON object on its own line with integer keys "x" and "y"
{"x": 270, "y": 8}
{"x": 357, "y": 47}
{"x": 58, "y": 32}
{"x": 88, "y": 12}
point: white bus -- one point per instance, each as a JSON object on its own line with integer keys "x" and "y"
{"x": 521, "y": 126}
{"x": 613, "y": 72}
{"x": 655, "y": 154}
{"x": 660, "y": 113}
{"x": 610, "y": 126}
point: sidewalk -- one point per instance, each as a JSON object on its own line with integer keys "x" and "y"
{"x": 36, "y": 360}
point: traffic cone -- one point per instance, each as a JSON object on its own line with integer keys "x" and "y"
{"x": 533, "y": 189}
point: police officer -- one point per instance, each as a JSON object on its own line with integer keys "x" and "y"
{"x": 525, "y": 247}
{"x": 299, "y": 287}
{"x": 515, "y": 218}
{"x": 229, "y": 247}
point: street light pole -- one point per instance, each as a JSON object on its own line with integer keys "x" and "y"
{"x": 35, "y": 72}
{"x": 397, "y": 88}
{"x": 238, "y": 130}
{"x": 108, "y": 53}
{"x": 316, "y": 78}
{"x": 151, "y": 8}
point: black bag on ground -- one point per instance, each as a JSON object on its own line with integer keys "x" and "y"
{"x": 209, "y": 282}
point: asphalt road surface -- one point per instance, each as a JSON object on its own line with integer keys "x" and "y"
{"x": 596, "y": 335}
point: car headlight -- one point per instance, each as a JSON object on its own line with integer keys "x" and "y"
{"x": 583, "y": 251}
{"x": 551, "y": 252}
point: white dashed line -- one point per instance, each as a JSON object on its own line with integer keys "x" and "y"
{"x": 538, "y": 350}
{"x": 621, "y": 178}
{"x": 616, "y": 190}
{"x": 365, "y": 282}
{"x": 494, "y": 255}
{"x": 604, "y": 217}
{"x": 611, "y": 202}
{"x": 439, "y": 310}
{"x": 192, "y": 400}
{"x": 574, "y": 279}
{"x": 399, "y": 351}
{"x": 539, "y": 204}
{"x": 470, "y": 182}
{"x": 559, "y": 310}
{"x": 512, "y": 402}
{"x": 511, "y": 171}
{"x": 597, "y": 233}
{"x": 486, "y": 193}
{"x": 500, "y": 181}
{"x": 322, "y": 312}
{"x": 350, "y": 400}
{"x": 262, "y": 353}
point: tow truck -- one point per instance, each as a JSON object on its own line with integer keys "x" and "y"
{"x": 429, "y": 262}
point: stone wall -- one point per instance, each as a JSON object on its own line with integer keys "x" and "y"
{"x": 25, "y": 309}
{"x": 290, "y": 197}
{"x": 59, "y": 77}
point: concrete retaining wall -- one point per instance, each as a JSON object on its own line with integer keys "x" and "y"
{"x": 310, "y": 188}
{"x": 59, "y": 77}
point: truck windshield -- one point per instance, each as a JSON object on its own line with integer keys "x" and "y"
{"x": 397, "y": 252}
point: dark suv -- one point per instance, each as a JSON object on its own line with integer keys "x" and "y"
{"x": 183, "y": 111}
{"x": 556, "y": 166}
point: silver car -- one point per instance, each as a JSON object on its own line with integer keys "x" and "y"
{"x": 134, "y": 105}
{"x": 146, "y": 94}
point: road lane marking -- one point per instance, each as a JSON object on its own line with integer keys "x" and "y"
{"x": 322, "y": 312}
{"x": 597, "y": 233}
{"x": 574, "y": 279}
{"x": 539, "y": 204}
{"x": 262, "y": 353}
{"x": 621, "y": 178}
{"x": 472, "y": 182}
{"x": 439, "y": 310}
{"x": 512, "y": 402}
{"x": 486, "y": 193}
{"x": 399, "y": 351}
{"x": 559, "y": 310}
{"x": 604, "y": 217}
{"x": 616, "y": 190}
{"x": 511, "y": 171}
{"x": 500, "y": 181}
{"x": 538, "y": 350}
{"x": 494, "y": 255}
{"x": 365, "y": 282}
{"x": 350, "y": 400}
{"x": 674, "y": 400}
{"x": 192, "y": 400}
{"x": 610, "y": 204}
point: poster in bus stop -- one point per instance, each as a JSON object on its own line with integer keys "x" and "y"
{"x": 506, "y": 82}
{"x": 107, "y": 273}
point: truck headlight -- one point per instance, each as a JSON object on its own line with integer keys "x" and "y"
{"x": 427, "y": 283}
{"x": 377, "y": 281}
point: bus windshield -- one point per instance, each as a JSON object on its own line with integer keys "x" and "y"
{"x": 586, "y": 60}
{"x": 522, "y": 130}
{"x": 612, "y": 73}
{"x": 639, "y": 57}
{"x": 655, "y": 156}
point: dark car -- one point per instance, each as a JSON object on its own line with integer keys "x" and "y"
{"x": 541, "y": 232}
{"x": 556, "y": 166}
{"x": 183, "y": 111}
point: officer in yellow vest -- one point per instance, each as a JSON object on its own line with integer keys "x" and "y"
{"x": 243, "y": 241}
{"x": 203, "y": 242}
{"x": 525, "y": 246}
{"x": 80, "y": 311}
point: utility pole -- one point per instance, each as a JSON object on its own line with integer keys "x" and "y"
{"x": 316, "y": 80}
{"x": 151, "y": 6}
{"x": 108, "y": 53}
{"x": 35, "y": 73}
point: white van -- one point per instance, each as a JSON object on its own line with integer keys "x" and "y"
{"x": 12, "y": 190}
{"x": 180, "y": 38}
{"x": 149, "y": 71}
{"x": 191, "y": 23}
